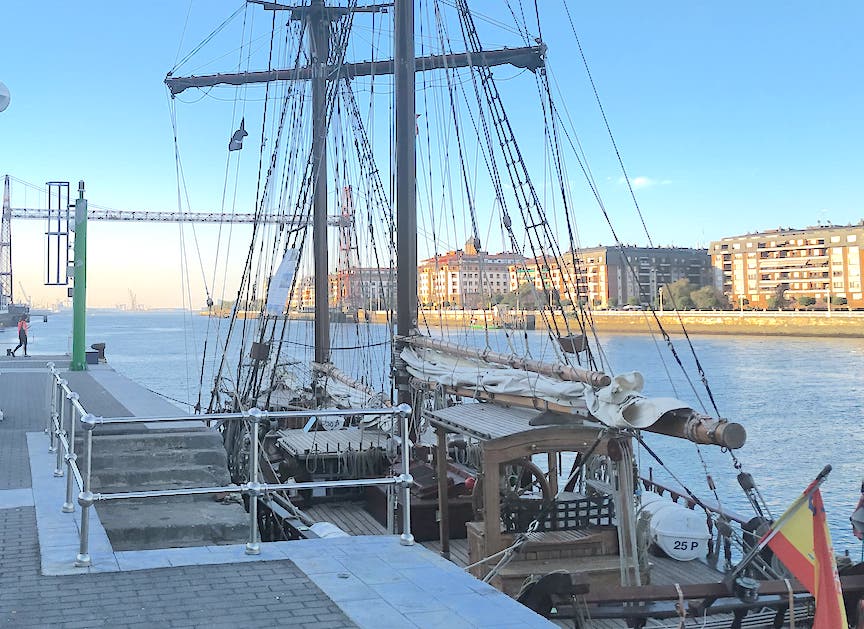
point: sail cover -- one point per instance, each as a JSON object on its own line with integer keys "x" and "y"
{"x": 280, "y": 283}
{"x": 620, "y": 405}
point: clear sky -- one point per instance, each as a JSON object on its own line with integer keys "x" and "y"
{"x": 731, "y": 117}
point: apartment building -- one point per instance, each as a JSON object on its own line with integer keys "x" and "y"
{"x": 370, "y": 288}
{"x": 822, "y": 263}
{"x": 465, "y": 278}
{"x": 606, "y": 276}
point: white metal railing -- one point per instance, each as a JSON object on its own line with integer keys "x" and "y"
{"x": 67, "y": 412}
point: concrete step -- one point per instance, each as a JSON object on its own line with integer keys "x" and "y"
{"x": 156, "y": 440}
{"x": 146, "y": 524}
{"x": 110, "y": 480}
{"x": 138, "y": 458}
{"x": 149, "y": 460}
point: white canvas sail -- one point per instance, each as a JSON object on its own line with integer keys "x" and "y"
{"x": 280, "y": 283}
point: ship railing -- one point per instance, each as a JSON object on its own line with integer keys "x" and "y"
{"x": 67, "y": 413}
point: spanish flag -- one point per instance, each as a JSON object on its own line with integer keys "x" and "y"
{"x": 801, "y": 540}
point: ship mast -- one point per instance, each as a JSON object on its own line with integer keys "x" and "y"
{"x": 319, "y": 45}
{"x": 406, "y": 184}
{"x": 404, "y": 66}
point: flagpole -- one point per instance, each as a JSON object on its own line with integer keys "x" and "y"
{"x": 777, "y": 525}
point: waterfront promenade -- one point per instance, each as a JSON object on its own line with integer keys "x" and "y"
{"x": 326, "y": 583}
{"x": 837, "y": 323}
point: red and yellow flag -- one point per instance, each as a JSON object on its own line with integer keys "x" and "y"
{"x": 803, "y": 543}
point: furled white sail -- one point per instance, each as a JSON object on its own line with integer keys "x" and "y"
{"x": 444, "y": 369}
{"x": 620, "y": 405}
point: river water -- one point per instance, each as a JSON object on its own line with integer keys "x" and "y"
{"x": 801, "y": 399}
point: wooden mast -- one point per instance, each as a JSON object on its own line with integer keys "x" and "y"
{"x": 406, "y": 186}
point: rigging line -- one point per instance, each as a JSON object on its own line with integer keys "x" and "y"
{"x": 606, "y": 123}
{"x": 701, "y": 372}
{"x": 551, "y": 127}
{"x": 183, "y": 256}
{"x": 520, "y": 25}
{"x": 528, "y": 202}
{"x": 183, "y": 33}
{"x": 485, "y": 18}
{"x": 628, "y": 264}
{"x": 207, "y": 39}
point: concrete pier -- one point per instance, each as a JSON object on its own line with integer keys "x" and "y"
{"x": 340, "y": 582}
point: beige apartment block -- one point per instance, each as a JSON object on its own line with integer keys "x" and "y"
{"x": 822, "y": 263}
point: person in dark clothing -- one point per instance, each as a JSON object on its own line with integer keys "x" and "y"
{"x": 22, "y": 335}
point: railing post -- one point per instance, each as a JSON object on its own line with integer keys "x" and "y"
{"x": 53, "y": 413}
{"x": 58, "y": 442}
{"x": 252, "y": 546}
{"x": 391, "y": 510}
{"x": 71, "y": 457}
{"x": 86, "y": 498}
{"x": 406, "y": 480}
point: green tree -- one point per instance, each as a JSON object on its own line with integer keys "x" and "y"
{"x": 805, "y": 301}
{"x": 708, "y": 298}
{"x": 678, "y": 294}
{"x": 526, "y": 297}
{"x": 838, "y": 301}
{"x": 778, "y": 300}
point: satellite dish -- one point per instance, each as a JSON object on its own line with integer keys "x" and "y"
{"x": 4, "y": 97}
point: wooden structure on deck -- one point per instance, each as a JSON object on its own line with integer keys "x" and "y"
{"x": 583, "y": 541}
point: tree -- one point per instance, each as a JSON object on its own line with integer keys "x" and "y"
{"x": 526, "y": 297}
{"x": 708, "y": 298}
{"x": 805, "y": 301}
{"x": 778, "y": 299}
{"x": 678, "y": 293}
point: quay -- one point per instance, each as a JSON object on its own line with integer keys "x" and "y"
{"x": 825, "y": 324}
{"x": 366, "y": 581}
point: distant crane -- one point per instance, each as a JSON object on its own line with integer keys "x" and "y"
{"x": 24, "y": 293}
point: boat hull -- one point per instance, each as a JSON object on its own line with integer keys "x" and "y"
{"x": 10, "y": 315}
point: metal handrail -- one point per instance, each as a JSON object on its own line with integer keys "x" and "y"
{"x": 66, "y": 405}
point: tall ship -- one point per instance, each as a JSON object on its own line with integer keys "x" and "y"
{"x": 374, "y": 136}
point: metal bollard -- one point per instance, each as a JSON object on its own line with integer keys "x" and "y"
{"x": 254, "y": 488}
{"x": 86, "y": 498}
{"x": 71, "y": 457}
{"x": 406, "y": 480}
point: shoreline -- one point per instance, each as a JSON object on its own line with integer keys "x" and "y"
{"x": 834, "y": 324}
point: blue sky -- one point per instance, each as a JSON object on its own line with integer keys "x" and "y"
{"x": 732, "y": 117}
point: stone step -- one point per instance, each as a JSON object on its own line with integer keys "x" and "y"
{"x": 146, "y": 524}
{"x": 155, "y": 440}
{"x": 111, "y": 480}
{"x": 138, "y": 458}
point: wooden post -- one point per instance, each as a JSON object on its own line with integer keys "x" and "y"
{"x": 443, "y": 502}
{"x": 623, "y": 477}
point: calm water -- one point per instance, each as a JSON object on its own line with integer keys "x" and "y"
{"x": 800, "y": 399}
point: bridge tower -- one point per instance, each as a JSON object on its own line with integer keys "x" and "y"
{"x": 6, "y": 248}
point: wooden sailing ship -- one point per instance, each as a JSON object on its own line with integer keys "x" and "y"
{"x": 524, "y": 469}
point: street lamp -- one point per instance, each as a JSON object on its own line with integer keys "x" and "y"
{"x": 660, "y": 294}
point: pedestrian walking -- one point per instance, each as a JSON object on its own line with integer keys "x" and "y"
{"x": 22, "y": 335}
